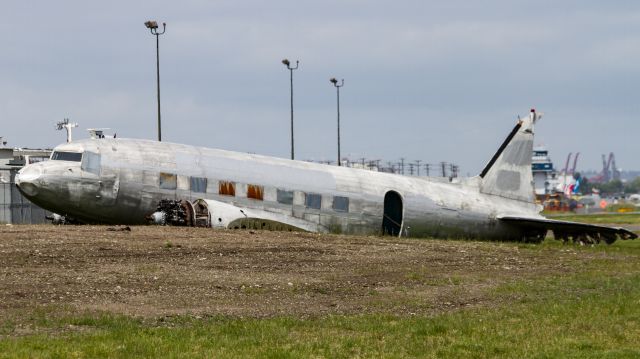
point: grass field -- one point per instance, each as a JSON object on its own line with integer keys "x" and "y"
{"x": 579, "y": 318}
{"x": 589, "y": 309}
{"x": 600, "y": 218}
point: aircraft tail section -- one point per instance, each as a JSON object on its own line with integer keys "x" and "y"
{"x": 508, "y": 173}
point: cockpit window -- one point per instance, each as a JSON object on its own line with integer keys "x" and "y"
{"x": 66, "y": 156}
{"x": 91, "y": 162}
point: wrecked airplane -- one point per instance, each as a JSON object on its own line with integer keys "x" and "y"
{"x": 123, "y": 181}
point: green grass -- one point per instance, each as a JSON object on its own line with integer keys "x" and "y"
{"x": 589, "y": 312}
{"x": 615, "y": 218}
{"x": 586, "y": 315}
{"x": 619, "y": 246}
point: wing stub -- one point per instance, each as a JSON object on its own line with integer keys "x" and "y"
{"x": 571, "y": 231}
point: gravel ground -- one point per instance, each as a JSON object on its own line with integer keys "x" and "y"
{"x": 152, "y": 271}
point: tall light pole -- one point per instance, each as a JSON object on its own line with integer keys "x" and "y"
{"x": 335, "y": 83}
{"x": 288, "y": 65}
{"x": 153, "y": 27}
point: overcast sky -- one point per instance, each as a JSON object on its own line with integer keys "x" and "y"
{"x": 429, "y": 80}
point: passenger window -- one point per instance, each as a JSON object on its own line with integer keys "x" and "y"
{"x": 285, "y": 197}
{"x": 227, "y": 188}
{"x": 198, "y": 184}
{"x": 91, "y": 162}
{"x": 341, "y": 204}
{"x": 313, "y": 200}
{"x": 212, "y": 185}
{"x": 168, "y": 181}
{"x": 255, "y": 192}
{"x": 183, "y": 182}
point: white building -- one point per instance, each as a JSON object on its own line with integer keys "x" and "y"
{"x": 14, "y": 208}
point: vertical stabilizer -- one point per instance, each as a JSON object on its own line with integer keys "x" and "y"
{"x": 508, "y": 173}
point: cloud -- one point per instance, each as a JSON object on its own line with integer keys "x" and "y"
{"x": 423, "y": 80}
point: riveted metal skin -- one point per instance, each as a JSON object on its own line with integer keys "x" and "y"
{"x": 125, "y": 180}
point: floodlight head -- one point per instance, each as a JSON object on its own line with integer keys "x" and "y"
{"x": 286, "y": 62}
{"x": 333, "y": 80}
{"x": 151, "y": 24}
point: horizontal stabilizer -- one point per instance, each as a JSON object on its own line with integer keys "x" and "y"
{"x": 589, "y": 233}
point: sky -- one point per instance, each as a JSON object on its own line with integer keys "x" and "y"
{"x": 428, "y": 80}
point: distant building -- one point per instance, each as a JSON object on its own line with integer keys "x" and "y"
{"x": 14, "y": 208}
{"x": 544, "y": 175}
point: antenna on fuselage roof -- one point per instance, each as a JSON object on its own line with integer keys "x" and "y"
{"x": 96, "y": 133}
{"x": 65, "y": 124}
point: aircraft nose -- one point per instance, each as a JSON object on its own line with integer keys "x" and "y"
{"x": 27, "y": 180}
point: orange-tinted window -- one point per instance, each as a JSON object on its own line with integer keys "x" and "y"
{"x": 227, "y": 188}
{"x": 168, "y": 181}
{"x": 255, "y": 192}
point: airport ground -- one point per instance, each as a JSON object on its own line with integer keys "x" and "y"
{"x": 99, "y": 291}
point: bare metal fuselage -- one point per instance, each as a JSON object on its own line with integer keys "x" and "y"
{"x": 121, "y": 183}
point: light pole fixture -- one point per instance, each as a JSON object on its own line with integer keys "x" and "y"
{"x": 153, "y": 27}
{"x": 288, "y": 65}
{"x": 335, "y": 83}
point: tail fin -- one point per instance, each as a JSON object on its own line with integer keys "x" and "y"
{"x": 508, "y": 173}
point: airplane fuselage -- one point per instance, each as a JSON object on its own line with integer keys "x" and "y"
{"x": 121, "y": 181}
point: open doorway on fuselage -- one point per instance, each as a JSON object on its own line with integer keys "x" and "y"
{"x": 392, "y": 215}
